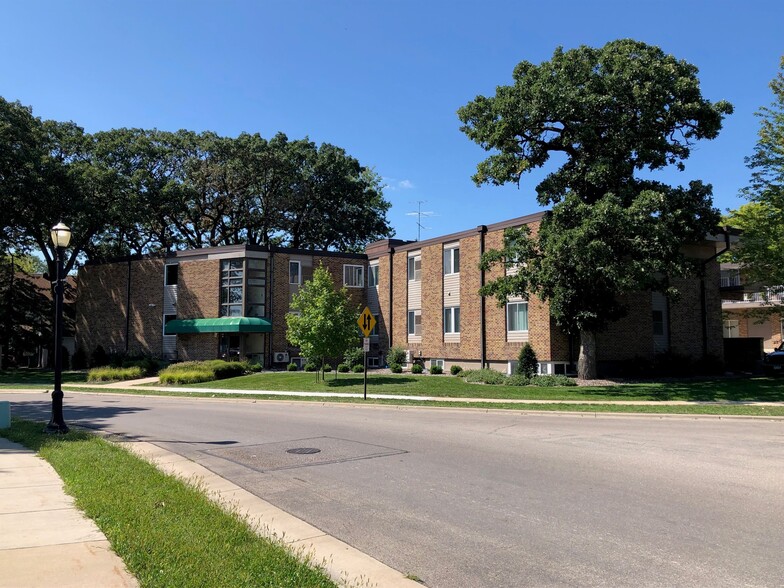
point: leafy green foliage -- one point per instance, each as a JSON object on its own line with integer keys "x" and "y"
{"x": 292, "y": 367}
{"x": 762, "y": 220}
{"x": 436, "y": 370}
{"x": 608, "y": 113}
{"x": 358, "y": 369}
{"x": 552, "y": 380}
{"x": 455, "y": 370}
{"x": 417, "y": 368}
{"x": 396, "y": 355}
{"x": 484, "y": 376}
{"x": 325, "y": 325}
{"x": 517, "y": 380}
{"x": 395, "y": 368}
{"x": 354, "y": 357}
{"x": 527, "y": 363}
{"x": 191, "y": 372}
{"x": 343, "y": 368}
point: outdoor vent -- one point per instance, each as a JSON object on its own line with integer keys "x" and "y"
{"x": 280, "y": 357}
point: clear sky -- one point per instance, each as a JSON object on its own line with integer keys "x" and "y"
{"x": 381, "y": 79}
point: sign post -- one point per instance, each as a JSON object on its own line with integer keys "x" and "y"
{"x": 366, "y": 322}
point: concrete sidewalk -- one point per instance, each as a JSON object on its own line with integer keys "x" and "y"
{"x": 44, "y": 539}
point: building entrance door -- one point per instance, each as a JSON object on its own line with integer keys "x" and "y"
{"x": 230, "y": 347}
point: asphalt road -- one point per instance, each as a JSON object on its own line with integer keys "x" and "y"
{"x": 468, "y": 498}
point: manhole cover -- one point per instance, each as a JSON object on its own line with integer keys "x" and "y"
{"x": 303, "y": 450}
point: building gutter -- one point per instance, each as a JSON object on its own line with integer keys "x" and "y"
{"x": 391, "y": 294}
{"x": 482, "y": 230}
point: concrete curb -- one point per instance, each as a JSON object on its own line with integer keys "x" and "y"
{"x": 346, "y": 565}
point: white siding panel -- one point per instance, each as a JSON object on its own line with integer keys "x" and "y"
{"x": 452, "y": 290}
{"x": 170, "y": 299}
{"x": 414, "y": 295}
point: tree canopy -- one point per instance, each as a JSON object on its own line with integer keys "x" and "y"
{"x": 762, "y": 219}
{"x": 323, "y": 321}
{"x": 608, "y": 113}
{"x": 134, "y": 191}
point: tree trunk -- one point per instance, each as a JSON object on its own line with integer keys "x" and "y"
{"x": 586, "y": 363}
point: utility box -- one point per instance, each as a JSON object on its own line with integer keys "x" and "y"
{"x": 5, "y": 414}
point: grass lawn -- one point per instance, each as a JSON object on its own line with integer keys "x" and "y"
{"x": 34, "y": 378}
{"x": 708, "y": 390}
{"x": 168, "y": 533}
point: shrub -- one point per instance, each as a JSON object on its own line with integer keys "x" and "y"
{"x": 527, "y": 362}
{"x": 311, "y": 367}
{"x": 327, "y": 368}
{"x": 292, "y": 367}
{"x": 186, "y": 376}
{"x": 113, "y": 374}
{"x": 396, "y": 356}
{"x": 225, "y": 369}
{"x": 547, "y": 381}
{"x": 255, "y": 367}
{"x": 343, "y": 368}
{"x": 484, "y": 376}
{"x": 517, "y": 380}
{"x": 417, "y": 368}
{"x": 149, "y": 365}
{"x": 217, "y": 369}
{"x": 354, "y": 357}
{"x": 99, "y": 357}
{"x": 455, "y": 370}
{"x": 396, "y": 368}
{"x": 358, "y": 369}
{"x": 436, "y": 370}
{"x": 79, "y": 359}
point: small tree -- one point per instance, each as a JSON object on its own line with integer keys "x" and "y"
{"x": 527, "y": 362}
{"x": 325, "y": 325}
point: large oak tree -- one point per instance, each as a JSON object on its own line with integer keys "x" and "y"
{"x": 607, "y": 114}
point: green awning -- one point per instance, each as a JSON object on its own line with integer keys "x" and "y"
{"x": 226, "y": 324}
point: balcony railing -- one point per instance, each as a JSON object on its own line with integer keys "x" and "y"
{"x": 769, "y": 296}
{"x": 730, "y": 281}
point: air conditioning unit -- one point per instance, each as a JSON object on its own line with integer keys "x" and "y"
{"x": 280, "y": 357}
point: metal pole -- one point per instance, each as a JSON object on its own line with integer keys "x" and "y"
{"x": 365, "y": 375}
{"x": 57, "y": 422}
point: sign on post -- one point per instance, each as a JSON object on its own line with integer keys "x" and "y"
{"x": 366, "y": 322}
{"x": 366, "y": 344}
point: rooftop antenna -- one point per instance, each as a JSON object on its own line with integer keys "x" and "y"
{"x": 419, "y": 214}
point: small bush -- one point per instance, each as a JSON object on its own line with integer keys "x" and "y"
{"x": 358, "y": 369}
{"x": 99, "y": 357}
{"x": 436, "y": 370}
{"x": 527, "y": 362}
{"x": 149, "y": 365}
{"x": 547, "y": 381}
{"x": 327, "y": 368}
{"x": 255, "y": 367}
{"x": 455, "y": 370}
{"x": 396, "y": 356}
{"x": 225, "y": 369}
{"x": 292, "y": 367}
{"x": 484, "y": 376}
{"x": 343, "y": 368}
{"x": 186, "y": 376}
{"x": 311, "y": 367}
{"x": 517, "y": 380}
{"x": 417, "y": 368}
{"x": 396, "y": 368}
{"x": 111, "y": 374}
{"x": 354, "y": 357}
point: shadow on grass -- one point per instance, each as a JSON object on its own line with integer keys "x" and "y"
{"x": 699, "y": 390}
{"x": 42, "y": 377}
{"x": 374, "y": 381}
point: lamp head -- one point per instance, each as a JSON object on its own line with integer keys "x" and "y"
{"x": 61, "y": 235}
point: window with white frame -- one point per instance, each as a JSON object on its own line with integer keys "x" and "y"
{"x": 517, "y": 316}
{"x": 353, "y": 276}
{"x": 452, "y": 319}
{"x": 373, "y": 276}
{"x": 373, "y": 361}
{"x": 452, "y": 260}
{"x": 295, "y": 272}
{"x": 415, "y": 322}
{"x": 731, "y": 329}
{"x": 437, "y": 363}
{"x": 415, "y": 268}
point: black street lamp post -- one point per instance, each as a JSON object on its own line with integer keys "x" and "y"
{"x": 61, "y": 236}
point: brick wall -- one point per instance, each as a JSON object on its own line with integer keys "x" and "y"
{"x": 198, "y": 289}
{"x": 146, "y": 324}
{"x": 101, "y": 302}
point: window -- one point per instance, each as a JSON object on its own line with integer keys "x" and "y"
{"x": 171, "y": 275}
{"x": 452, "y": 260}
{"x": 437, "y": 363}
{"x": 731, "y": 329}
{"x": 414, "y": 268}
{"x": 452, "y": 320}
{"x": 353, "y": 276}
{"x": 256, "y": 288}
{"x": 295, "y": 272}
{"x": 373, "y": 361}
{"x": 373, "y": 276}
{"x": 517, "y": 316}
{"x": 415, "y": 322}
{"x": 231, "y": 287}
{"x": 658, "y": 322}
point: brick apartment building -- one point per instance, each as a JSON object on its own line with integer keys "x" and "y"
{"x": 206, "y": 303}
{"x": 231, "y": 302}
{"x": 424, "y": 295}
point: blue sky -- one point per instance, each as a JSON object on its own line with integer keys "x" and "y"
{"x": 382, "y": 79}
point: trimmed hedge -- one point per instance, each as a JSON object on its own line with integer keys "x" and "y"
{"x": 417, "y": 368}
{"x": 193, "y": 372}
{"x": 436, "y": 370}
{"x": 343, "y": 368}
{"x": 455, "y": 370}
{"x": 358, "y": 369}
{"x": 484, "y": 376}
{"x": 396, "y": 368}
{"x": 292, "y": 367}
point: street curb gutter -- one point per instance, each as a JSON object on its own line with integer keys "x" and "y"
{"x": 346, "y": 565}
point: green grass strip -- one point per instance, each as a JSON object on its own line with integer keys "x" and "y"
{"x": 167, "y": 532}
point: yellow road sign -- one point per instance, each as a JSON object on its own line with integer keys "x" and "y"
{"x": 366, "y": 322}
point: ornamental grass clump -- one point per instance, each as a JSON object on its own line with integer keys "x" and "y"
{"x": 186, "y": 376}
{"x": 111, "y": 374}
{"x": 484, "y": 376}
